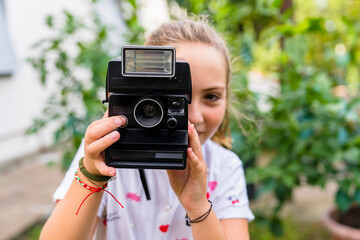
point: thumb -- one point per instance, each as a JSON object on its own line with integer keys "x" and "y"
{"x": 104, "y": 169}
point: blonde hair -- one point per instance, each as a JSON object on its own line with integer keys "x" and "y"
{"x": 199, "y": 31}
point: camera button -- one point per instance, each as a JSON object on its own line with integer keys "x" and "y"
{"x": 172, "y": 123}
{"x": 126, "y": 121}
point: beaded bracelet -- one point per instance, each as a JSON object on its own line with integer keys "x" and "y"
{"x": 201, "y": 218}
{"x": 90, "y": 176}
{"x": 93, "y": 190}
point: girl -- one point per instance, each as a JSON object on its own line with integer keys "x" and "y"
{"x": 212, "y": 173}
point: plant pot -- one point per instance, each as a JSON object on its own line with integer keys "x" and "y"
{"x": 339, "y": 231}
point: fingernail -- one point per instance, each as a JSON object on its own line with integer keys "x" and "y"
{"x": 190, "y": 150}
{"x": 191, "y": 127}
{"x": 114, "y": 135}
{"x": 117, "y": 122}
{"x": 111, "y": 173}
{"x": 123, "y": 119}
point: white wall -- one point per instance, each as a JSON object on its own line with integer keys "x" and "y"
{"x": 21, "y": 95}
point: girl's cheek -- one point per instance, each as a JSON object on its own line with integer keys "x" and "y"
{"x": 216, "y": 115}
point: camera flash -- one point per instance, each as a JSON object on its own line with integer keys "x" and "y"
{"x": 144, "y": 61}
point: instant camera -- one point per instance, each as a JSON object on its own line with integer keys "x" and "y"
{"x": 152, "y": 91}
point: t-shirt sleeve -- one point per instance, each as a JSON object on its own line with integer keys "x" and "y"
{"x": 230, "y": 198}
{"x": 69, "y": 175}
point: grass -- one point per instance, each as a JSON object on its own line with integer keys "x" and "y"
{"x": 33, "y": 233}
{"x": 293, "y": 230}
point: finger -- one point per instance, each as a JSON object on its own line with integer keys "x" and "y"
{"x": 194, "y": 141}
{"x": 100, "y": 121}
{"x": 197, "y": 167}
{"x": 104, "y": 169}
{"x": 96, "y": 147}
{"x": 103, "y": 127}
{"x": 106, "y": 114}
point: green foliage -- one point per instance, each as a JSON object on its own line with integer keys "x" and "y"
{"x": 33, "y": 233}
{"x": 75, "y": 68}
{"x": 314, "y": 136}
{"x": 259, "y": 230}
{"x": 135, "y": 33}
{"x": 311, "y": 132}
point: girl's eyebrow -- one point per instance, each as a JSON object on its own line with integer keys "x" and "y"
{"x": 214, "y": 88}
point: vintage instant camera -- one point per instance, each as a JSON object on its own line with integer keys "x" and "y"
{"x": 152, "y": 91}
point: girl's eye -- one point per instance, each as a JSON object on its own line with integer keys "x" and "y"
{"x": 211, "y": 97}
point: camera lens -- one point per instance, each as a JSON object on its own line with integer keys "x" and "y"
{"x": 148, "y": 112}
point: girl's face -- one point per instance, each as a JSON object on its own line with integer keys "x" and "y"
{"x": 208, "y": 77}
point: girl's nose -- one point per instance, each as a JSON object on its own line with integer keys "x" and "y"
{"x": 195, "y": 113}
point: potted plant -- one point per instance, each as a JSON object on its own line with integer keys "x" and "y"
{"x": 314, "y": 139}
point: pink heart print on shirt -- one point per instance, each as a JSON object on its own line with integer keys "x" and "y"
{"x": 133, "y": 197}
{"x": 164, "y": 228}
{"x": 212, "y": 185}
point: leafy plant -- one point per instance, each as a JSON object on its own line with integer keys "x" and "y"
{"x": 312, "y": 132}
{"x": 75, "y": 66}
{"x": 258, "y": 230}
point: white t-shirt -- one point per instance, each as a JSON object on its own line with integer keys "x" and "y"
{"x": 163, "y": 217}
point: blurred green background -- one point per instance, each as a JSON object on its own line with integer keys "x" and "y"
{"x": 305, "y": 121}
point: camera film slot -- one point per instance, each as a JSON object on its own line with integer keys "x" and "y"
{"x": 152, "y": 159}
{"x": 142, "y": 155}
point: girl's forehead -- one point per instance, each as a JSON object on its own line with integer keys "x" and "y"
{"x": 194, "y": 46}
{"x": 199, "y": 53}
{"x": 206, "y": 65}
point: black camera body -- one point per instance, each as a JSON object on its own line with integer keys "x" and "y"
{"x": 153, "y": 96}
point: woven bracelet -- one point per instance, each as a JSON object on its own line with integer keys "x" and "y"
{"x": 98, "y": 178}
{"x": 93, "y": 190}
{"x": 201, "y": 218}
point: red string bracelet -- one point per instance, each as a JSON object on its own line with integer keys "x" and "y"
{"x": 93, "y": 190}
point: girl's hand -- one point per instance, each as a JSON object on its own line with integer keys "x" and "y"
{"x": 99, "y": 135}
{"x": 189, "y": 184}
